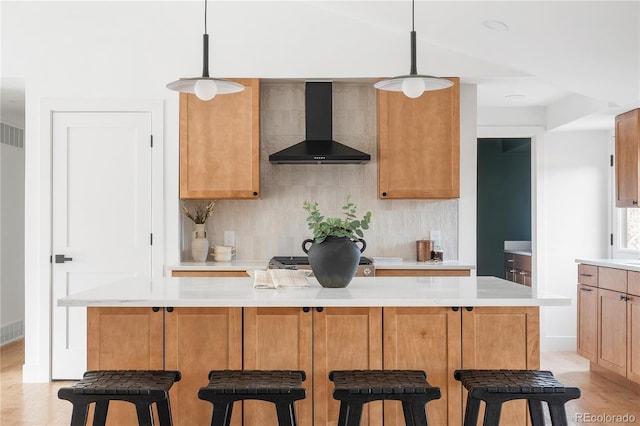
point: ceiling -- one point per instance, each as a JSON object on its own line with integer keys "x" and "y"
{"x": 575, "y": 59}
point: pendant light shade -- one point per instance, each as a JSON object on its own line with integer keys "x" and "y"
{"x": 205, "y": 88}
{"x": 413, "y": 84}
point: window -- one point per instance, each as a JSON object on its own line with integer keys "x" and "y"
{"x": 630, "y": 227}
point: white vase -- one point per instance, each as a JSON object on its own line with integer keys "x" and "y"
{"x": 199, "y": 243}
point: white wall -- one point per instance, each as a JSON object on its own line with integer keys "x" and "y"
{"x": 11, "y": 233}
{"x": 575, "y": 169}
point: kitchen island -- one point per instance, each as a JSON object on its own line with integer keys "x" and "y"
{"x": 436, "y": 324}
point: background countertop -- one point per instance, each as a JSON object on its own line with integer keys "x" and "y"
{"x": 628, "y": 264}
{"x": 249, "y": 265}
{"x": 370, "y": 291}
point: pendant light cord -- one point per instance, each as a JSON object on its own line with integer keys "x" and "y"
{"x": 414, "y": 68}
{"x": 413, "y": 15}
{"x": 205, "y": 45}
{"x": 205, "y": 16}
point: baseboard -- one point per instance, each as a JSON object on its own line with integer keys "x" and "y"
{"x": 11, "y": 332}
{"x": 558, "y": 343}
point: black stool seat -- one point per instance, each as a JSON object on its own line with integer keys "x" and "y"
{"x": 281, "y": 387}
{"x": 354, "y": 388}
{"x": 140, "y": 387}
{"x": 497, "y": 386}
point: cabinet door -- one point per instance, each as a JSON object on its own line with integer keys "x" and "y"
{"x": 419, "y": 144}
{"x": 425, "y": 339}
{"x": 587, "y": 322}
{"x": 502, "y": 338}
{"x": 220, "y": 145}
{"x": 278, "y": 339}
{"x": 124, "y": 339}
{"x": 612, "y": 334}
{"x": 627, "y": 145}
{"x": 198, "y": 340}
{"x": 344, "y": 339}
{"x": 633, "y": 338}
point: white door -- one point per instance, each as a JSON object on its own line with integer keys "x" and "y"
{"x": 101, "y": 208}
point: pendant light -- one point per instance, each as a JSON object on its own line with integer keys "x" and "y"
{"x": 205, "y": 87}
{"x": 414, "y": 84}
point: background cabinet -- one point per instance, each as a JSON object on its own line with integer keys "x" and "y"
{"x": 517, "y": 268}
{"x": 626, "y": 158}
{"x": 419, "y": 144}
{"x": 220, "y": 145}
{"x": 587, "y": 322}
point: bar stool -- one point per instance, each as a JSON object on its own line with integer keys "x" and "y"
{"x": 497, "y": 386}
{"x": 281, "y": 387}
{"x": 140, "y": 387}
{"x": 354, "y": 388}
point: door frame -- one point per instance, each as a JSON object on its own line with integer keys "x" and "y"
{"x": 38, "y": 272}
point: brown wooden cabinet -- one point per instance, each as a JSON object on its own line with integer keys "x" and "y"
{"x": 198, "y": 340}
{"x": 612, "y": 336}
{"x": 425, "y": 339}
{"x": 124, "y": 339}
{"x": 419, "y": 144}
{"x": 502, "y": 338}
{"x": 423, "y": 272}
{"x": 517, "y": 268}
{"x": 627, "y": 158}
{"x": 587, "y": 339}
{"x": 316, "y": 340}
{"x": 633, "y": 338}
{"x": 220, "y": 145}
{"x": 191, "y": 340}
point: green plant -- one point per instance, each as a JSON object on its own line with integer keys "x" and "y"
{"x": 200, "y": 211}
{"x": 349, "y": 227}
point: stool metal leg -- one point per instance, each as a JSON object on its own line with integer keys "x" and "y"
{"x": 492, "y": 412}
{"x": 558, "y": 413}
{"x": 145, "y": 414}
{"x": 221, "y": 413}
{"x": 535, "y": 412}
{"x": 79, "y": 413}
{"x": 342, "y": 417}
{"x": 471, "y": 412}
{"x": 164, "y": 412}
{"x": 100, "y": 413}
{"x": 354, "y": 414}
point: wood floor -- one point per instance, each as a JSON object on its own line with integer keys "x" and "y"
{"x": 37, "y": 404}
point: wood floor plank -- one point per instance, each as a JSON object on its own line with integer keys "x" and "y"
{"x": 37, "y": 404}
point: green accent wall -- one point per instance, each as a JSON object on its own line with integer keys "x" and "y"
{"x": 504, "y": 199}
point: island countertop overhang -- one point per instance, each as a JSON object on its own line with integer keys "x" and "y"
{"x": 375, "y": 291}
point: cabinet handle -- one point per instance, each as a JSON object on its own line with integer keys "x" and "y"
{"x": 455, "y": 308}
{"x": 513, "y": 271}
{"x": 585, "y": 289}
{"x": 469, "y": 308}
{"x": 319, "y": 309}
{"x": 306, "y": 309}
{"x": 255, "y": 194}
{"x": 634, "y": 202}
{"x": 169, "y": 309}
{"x": 586, "y": 275}
{"x": 523, "y": 273}
{"x": 155, "y": 309}
{"x": 510, "y": 260}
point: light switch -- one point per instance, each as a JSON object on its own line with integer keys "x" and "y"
{"x": 229, "y": 238}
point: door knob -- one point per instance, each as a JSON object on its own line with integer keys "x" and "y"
{"x": 60, "y": 258}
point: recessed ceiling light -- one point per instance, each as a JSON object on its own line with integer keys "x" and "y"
{"x": 492, "y": 24}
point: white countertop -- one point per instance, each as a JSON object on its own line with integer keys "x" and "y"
{"x": 375, "y": 291}
{"x": 521, "y": 252}
{"x": 249, "y": 265}
{"x": 628, "y": 264}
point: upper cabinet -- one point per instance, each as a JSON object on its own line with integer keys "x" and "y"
{"x": 220, "y": 145}
{"x": 627, "y": 146}
{"x": 419, "y": 144}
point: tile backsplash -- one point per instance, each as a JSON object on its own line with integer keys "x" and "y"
{"x": 276, "y": 223}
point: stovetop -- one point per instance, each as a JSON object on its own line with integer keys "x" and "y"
{"x": 304, "y": 260}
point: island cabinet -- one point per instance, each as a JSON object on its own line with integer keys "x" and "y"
{"x": 419, "y": 144}
{"x": 627, "y": 158}
{"x": 502, "y": 338}
{"x": 315, "y": 340}
{"x": 220, "y": 145}
{"x": 191, "y": 340}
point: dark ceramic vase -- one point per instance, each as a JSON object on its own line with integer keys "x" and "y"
{"x": 334, "y": 261}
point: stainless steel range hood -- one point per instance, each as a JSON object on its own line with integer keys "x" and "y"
{"x": 319, "y": 146}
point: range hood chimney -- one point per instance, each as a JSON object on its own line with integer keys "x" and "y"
{"x": 319, "y": 146}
